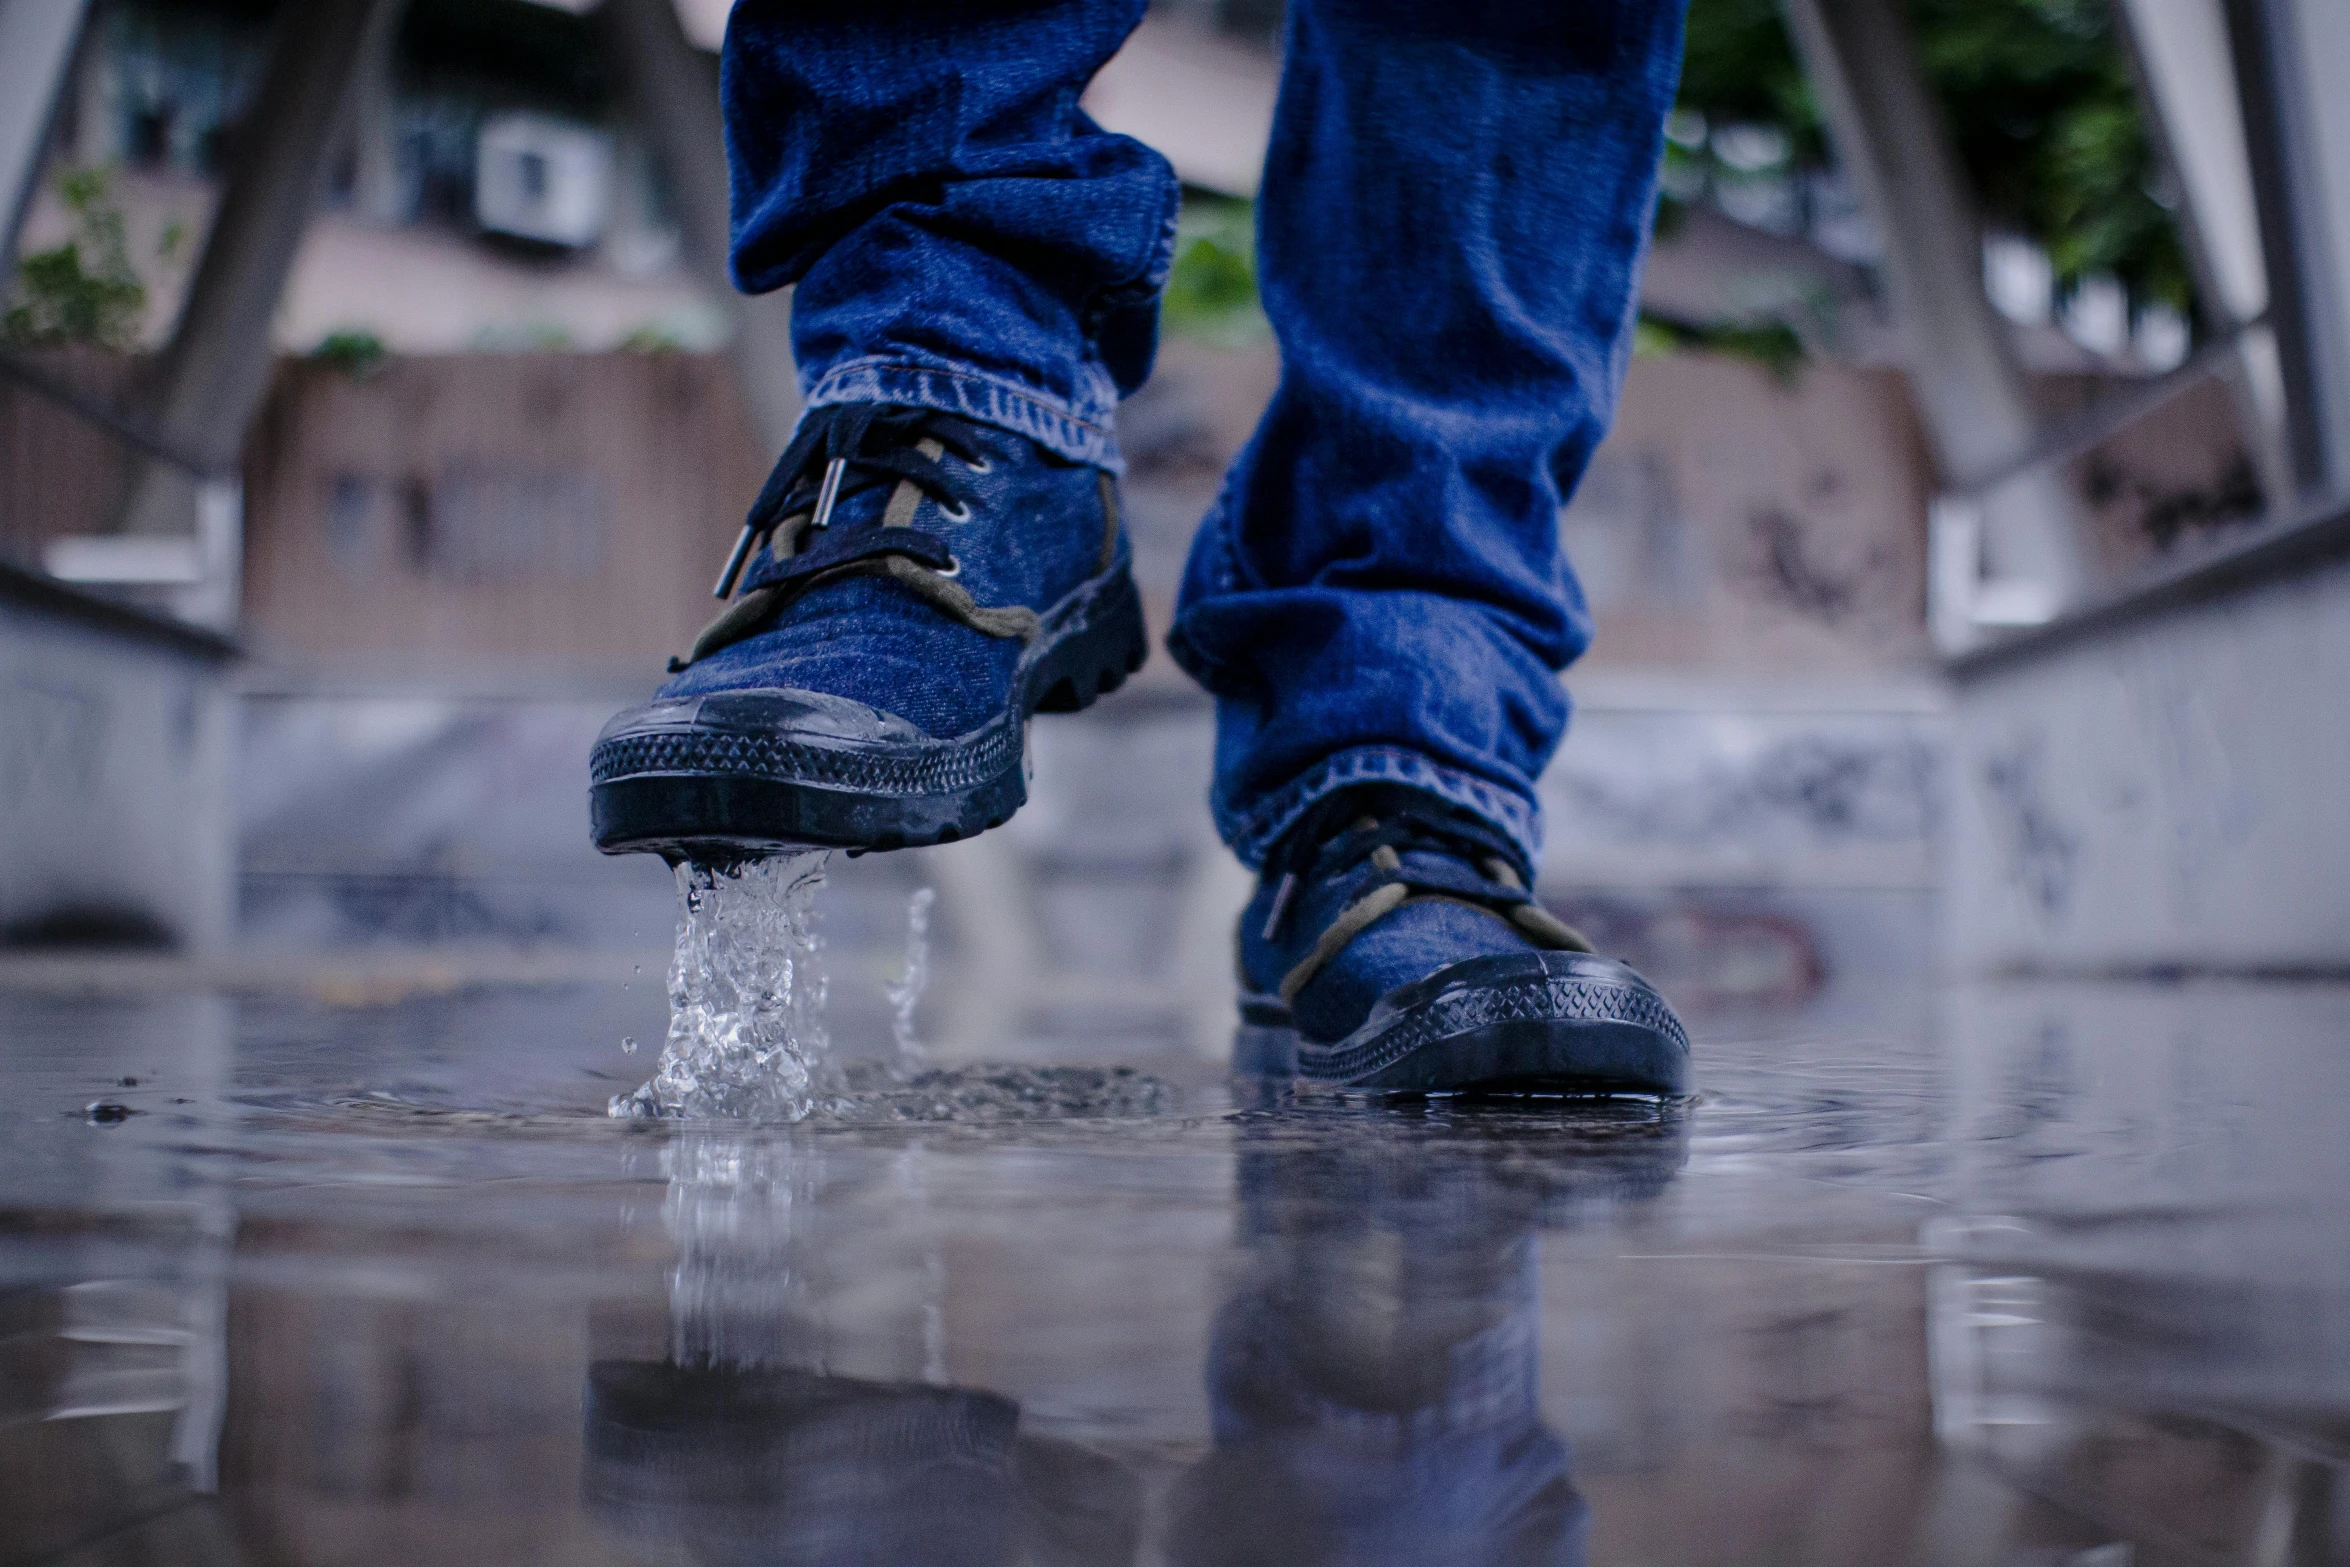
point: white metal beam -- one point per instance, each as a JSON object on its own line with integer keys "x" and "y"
{"x": 2297, "y": 131}
{"x": 37, "y": 39}
{"x": 1892, "y": 143}
{"x": 2186, "y": 71}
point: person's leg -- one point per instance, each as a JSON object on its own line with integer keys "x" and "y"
{"x": 938, "y": 554}
{"x": 1455, "y": 207}
{"x": 1453, "y": 219}
{"x": 962, "y": 236}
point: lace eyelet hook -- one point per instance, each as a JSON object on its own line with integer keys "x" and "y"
{"x": 1280, "y": 909}
{"x": 735, "y": 561}
{"x": 980, "y": 464}
{"x": 829, "y": 493}
{"x": 960, "y": 513}
{"x": 954, "y": 567}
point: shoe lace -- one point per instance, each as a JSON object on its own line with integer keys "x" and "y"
{"x": 845, "y": 448}
{"x": 1476, "y": 866}
{"x": 840, "y": 451}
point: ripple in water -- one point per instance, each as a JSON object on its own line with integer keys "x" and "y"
{"x": 875, "y": 1093}
{"x": 746, "y": 996}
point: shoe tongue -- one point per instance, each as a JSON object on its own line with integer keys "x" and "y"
{"x": 1448, "y": 844}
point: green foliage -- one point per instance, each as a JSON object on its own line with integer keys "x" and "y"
{"x": 1212, "y": 290}
{"x": 1773, "y": 345}
{"x": 653, "y": 339}
{"x": 2040, "y": 102}
{"x": 2047, "y": 120}
{"x": 85, "y": 290}
{"x": 355, "y": 351}
{"x": 1739, "y": 66}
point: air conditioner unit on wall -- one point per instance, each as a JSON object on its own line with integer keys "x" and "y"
{"x": 541, "y": 178}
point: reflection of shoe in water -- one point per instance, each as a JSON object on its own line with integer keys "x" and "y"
{"x": 1393, "y": 945}
{"x": 921, "y": 585}
{"x": 1373, "y": 1382}
{"x": 1301, "y": 1478}
{"x": 774, "y": 1466}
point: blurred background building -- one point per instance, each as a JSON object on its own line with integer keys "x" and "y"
{"x": 373, "y": 413}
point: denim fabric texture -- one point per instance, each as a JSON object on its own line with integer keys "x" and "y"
{"x": 1455, "y": 206}
{"x": 962, "y": 236}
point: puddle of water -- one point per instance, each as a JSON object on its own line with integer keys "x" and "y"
{"x": 2041, "y": 1292}
{"x": 852, "y": 1093}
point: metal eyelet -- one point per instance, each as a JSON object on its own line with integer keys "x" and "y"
{"x": 979, "y": 465}
{"x": 954, "y": 568}
{"x": 959, "y": 514}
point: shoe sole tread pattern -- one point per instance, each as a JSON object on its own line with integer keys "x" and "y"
{"x": 946, "y": 767}
{"x": 1602, "y": 1030}
{"x": 715, "y": 794}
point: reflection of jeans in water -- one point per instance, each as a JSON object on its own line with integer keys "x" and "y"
{"x": 1451, "y": 226}
{"x": 1373, "y": 1383}
{"x": 1304, "y": 1475}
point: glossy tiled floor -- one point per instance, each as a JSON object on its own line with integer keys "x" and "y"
{"x": 2040, "y": 1275}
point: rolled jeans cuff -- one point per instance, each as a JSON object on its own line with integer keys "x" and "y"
{"x": 1253, "y": 835}
{"x": 1081, "y": 433}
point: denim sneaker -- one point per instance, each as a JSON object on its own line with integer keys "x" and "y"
{"x": 914, "y": 587}
{"x": 1392, "y": 946}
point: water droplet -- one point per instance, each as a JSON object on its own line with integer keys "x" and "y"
{"x": 906, "y": 994}
{"x": 628, "y": 1044}
{"x": 105, "y": 1112}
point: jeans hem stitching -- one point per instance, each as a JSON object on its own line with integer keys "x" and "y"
{"x": 1253, "y": 834}
{"x": 976, "y": 395}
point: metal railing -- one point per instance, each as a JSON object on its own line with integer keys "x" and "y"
{"x": 198, "y": 575}
{"x": 1968, "y": 603}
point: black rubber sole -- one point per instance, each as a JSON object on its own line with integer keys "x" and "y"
{"x": 751, "y": 774}
{"x": 1519, "y": 1023}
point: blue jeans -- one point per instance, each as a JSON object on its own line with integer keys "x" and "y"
{"x": 1454, "y": 210}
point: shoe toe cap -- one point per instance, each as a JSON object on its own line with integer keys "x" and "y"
{"x": 803, "y": 715}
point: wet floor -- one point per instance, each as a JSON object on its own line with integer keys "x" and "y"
{"x": 2047, "y": 1274}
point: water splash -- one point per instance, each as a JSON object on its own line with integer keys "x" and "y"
{"x": 906, "y": 994}
{"x": 746, "y": 996}
{"x": 747, "y": 1040}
